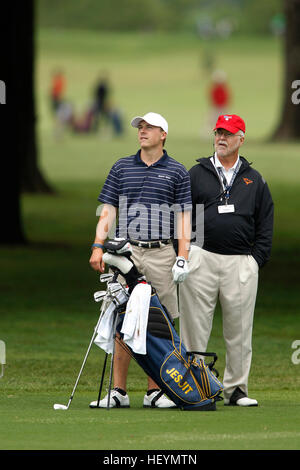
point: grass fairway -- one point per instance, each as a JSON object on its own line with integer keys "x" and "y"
{"x": 47, "y": 309}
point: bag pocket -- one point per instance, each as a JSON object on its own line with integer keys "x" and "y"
{"x": 205, "y": 376}
{"x": 177, "y": 374}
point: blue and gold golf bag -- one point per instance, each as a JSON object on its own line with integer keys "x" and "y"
{"x": 188, "y": 381}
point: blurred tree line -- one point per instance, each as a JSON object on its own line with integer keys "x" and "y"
{"x": 244, "y": 16}
{"x": 19, "y": 164}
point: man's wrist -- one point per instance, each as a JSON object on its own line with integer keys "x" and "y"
{"x": 97, "y": 245}
{"x": 185, "y": 255}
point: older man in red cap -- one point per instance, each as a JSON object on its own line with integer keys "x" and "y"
{"x": 236, "y": 241}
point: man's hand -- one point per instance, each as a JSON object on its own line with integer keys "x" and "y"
{"x": 96, "y": 261}
{"x": 180, "y": 269}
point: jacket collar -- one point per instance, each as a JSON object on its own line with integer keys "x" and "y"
{"x": 205, "y": 161}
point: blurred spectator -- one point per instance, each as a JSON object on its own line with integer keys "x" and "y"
{"x": 100, "y": 109}
{"x": 65, "y": 119}
{"x": 116, "y": 120}
{"x": 83, "y": 123}
{"x": 57, "y": 89}
{"x": 86, "y": 123}
{"x": 205, "y": 28}
{"x": 101, "y": 96}
{"x": 219, "y": 95}
{"x": 64, "y": 115}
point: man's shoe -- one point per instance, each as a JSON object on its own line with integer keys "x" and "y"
{"x": 156, "y": 399}
{"x": 239, "y": 398}
{"x": 117, "y": 400}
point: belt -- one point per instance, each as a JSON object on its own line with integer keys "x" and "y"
{"x": 154, "y": 244}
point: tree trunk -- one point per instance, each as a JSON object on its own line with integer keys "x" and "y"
{"x": 289, "y": 125}
{"x": 32, "y": 180}
{"x": 19, "y": 167}
{"x": 11, "y": 222}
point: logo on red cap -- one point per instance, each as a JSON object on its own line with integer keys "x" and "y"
{"x": 230, "y": 122}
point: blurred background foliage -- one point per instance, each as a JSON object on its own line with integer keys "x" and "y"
{"x": 204, "y": 17}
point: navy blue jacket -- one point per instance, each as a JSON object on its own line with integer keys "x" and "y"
{"x": 247, "y": 230}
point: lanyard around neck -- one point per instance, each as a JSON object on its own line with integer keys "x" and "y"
{"x": 227, "y": 187}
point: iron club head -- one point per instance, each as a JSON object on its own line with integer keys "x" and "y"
{"x": 57, "y": 406}
{"x": 99, "y": 295}
{"x": 107, "y": 277}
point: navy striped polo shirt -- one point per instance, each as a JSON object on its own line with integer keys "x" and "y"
{"x": 147, "y": 196}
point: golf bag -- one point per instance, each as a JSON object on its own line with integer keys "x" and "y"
{"x": 188, "y": 381}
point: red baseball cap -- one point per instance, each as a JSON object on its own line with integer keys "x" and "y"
{"x": 230, "y": 122}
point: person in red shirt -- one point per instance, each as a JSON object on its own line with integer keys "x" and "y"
{"x": 219, "y": 94}
{"x": 58, "y": 85}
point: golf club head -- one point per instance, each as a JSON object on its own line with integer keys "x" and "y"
{"x": 99, "y": 295}
{"x": 106, "y": 277}
{"x": 57, "y": 406}
{"x": 114, "y": 287}
{"x": 119, "y": 295}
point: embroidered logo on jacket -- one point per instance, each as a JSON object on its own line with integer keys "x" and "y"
{"x": 247, "y": 181}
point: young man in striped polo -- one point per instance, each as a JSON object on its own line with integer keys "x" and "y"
{"x": 150, "y": 194}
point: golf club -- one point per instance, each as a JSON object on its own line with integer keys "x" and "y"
{"x": 99, "y": 295}
{"x": 106, "y": 277}
{"x": 117, "y": 294}
{"x": 102, "y": 378}
{"x": 58, "y": 406}
{"x": 2, "y": 357}
{"x": 112, "y": 360}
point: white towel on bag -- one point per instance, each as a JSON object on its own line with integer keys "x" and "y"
{"x": 104, "y": 338}
{"x": 135, "y": 322}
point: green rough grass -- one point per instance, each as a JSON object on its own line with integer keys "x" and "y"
{"x": 268, "y": 426}
{"x": 47, "y": 312}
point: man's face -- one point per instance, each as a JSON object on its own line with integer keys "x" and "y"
{"x": 226, "y": 143}
{"x": 150, "y": 136}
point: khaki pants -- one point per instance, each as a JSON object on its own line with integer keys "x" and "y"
{"x": 156, "y": 265}
{"x": 233, "y": 280}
